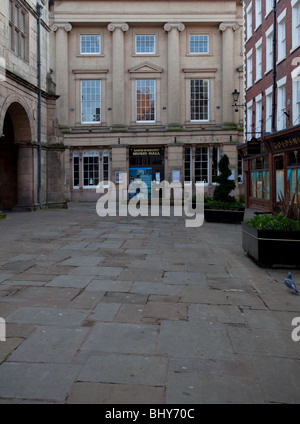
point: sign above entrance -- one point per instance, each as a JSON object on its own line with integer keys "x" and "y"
{"x": 253, "y": 146}
{"x": 146, "y": 152}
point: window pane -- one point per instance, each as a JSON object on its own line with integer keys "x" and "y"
{"x": 90, "y": 44}
{"x": 145, "y": 100}
{"x": 90, "y": 171}
{"x": 199, "y": 44}
{"x": 201, "y": 164}
{"x": 199, "y": 100}
{"x": 90, "y": 101}
{"x": 16, "y": 48}
{"x": 145, "y": 44}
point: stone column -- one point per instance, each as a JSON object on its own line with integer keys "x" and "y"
{"x": 62, "y": 70}
{"x": 228, "y": 71}
{"x": 118, "y": 30}
{"x": 173, "y": 30}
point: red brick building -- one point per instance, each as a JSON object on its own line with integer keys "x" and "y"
{"x": 272, "y": 100}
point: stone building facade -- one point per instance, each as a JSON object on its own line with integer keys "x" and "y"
{"x": 145, "y": 90}
{"x": 31, "y": 152}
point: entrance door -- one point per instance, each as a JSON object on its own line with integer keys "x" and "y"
{"x": 8, "y": 167}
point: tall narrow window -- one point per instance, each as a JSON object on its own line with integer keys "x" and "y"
{"x": 296, "y": 102}
{"x": 201, "y": 164}
{"x": 258, "y": 18}
{"x": 215, "y": 163}
{"x": 199, "y": 100}
{"x": 281, "y": 108}
{"x": 75, "y": 170}
{"x": 145, "y": 44}
{"x": 18, "y": 29}
{"x": 249, "y": 122}
{"x": 90, "y": 44}
{"x": 249, "y": 69}
{"x": 105, "y": 167}
{"x": 258, "y": 119}
{"x": 199, "y": 44}
{"x": 91, "y": 175}
{"x": 188, "y": 164}
{"x": 269, "y": 50}
{"x": 281, "y": 37}
{"x": 269, "y": 5}
{"x": 295, "y": 23}
{"x": 249, "y": 21}
{"x": 145, "y": 101}
{"x": 268, "y": 116}
{"x": 258, "y": 61}
{"x": 90, "y": 102}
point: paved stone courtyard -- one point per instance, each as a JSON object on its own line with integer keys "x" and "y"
{"x": 140, "y": 310}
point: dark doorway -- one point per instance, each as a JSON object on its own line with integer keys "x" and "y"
{"x": 8, "y": 166}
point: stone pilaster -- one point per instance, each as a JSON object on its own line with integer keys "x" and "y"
{"x": 62, "y": 70}
{"x": 118, "y": 54}
{"x": 173, "y": 30}
{"x": 228, "y": 71}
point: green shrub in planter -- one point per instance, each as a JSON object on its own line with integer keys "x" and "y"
{"x": 274, "y": 222}
{"x": 225, "y": 187}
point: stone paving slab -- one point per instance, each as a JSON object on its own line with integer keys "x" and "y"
{"x": 140, "y": 310}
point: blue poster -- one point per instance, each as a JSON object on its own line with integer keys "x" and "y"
{"x": 135, "y": 176}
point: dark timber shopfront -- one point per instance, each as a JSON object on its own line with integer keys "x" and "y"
{"x": 275, "y": 170}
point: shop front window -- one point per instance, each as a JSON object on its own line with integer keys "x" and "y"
{"x": 293, "y": 174}
{"x": 260, "y": 178}
{"x": 279, "y": 166}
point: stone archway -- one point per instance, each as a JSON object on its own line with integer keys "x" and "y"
{"x": 16, "y": 159}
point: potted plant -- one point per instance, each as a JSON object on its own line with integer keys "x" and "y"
{"x": 223, "y": 207}
{"x": 273, "y": 240}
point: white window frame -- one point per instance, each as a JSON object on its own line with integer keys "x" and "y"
{"x": 136, "y": 102}
{"x": 269, "y": 7}
{"x": 249, "y": 26}
{"x": 145, "y": 52}
{"x": 258, "y": 14}
{"x": 295, "y": 24}
{"x": 198, "y": 52}
{"x": 296, "y": 102}
{"x": 90, "y": 53}
{"x": 90, "y": 153}
{"x": 201, "y": 161}
{"x": 208, "y": 100}
{"x": 269, "y": 49}
{"x": 81, "y": 103}
{"x": 249, "y": 120}
{"x": 268, "y": 115}
{"x": 250, "y": 69}
{"x": 258, "y": 61}
{"x": 258, "y": 116}
{"x": 281, "y": 36}
{"x": 281, "y": 104}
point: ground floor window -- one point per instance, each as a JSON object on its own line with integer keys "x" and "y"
{"x": 86, "y": 168}
{"x": 260, "y": 178}
{"x": 293, "y": 174}
{"x": 201, "y": 164}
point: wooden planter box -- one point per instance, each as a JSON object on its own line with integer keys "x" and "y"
{"x": 270, "y": 248}
{"x": 223, "y": 215}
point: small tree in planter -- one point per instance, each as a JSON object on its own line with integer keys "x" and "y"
{"x": 223, "y": 207}
{"x": 225, "y": 187}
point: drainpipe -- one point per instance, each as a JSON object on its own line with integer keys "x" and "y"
{"x": 39, "y": 8}
{"x": 274, "y": 67}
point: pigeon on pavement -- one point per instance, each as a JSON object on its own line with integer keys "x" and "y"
{"x": 290, "y": 284}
